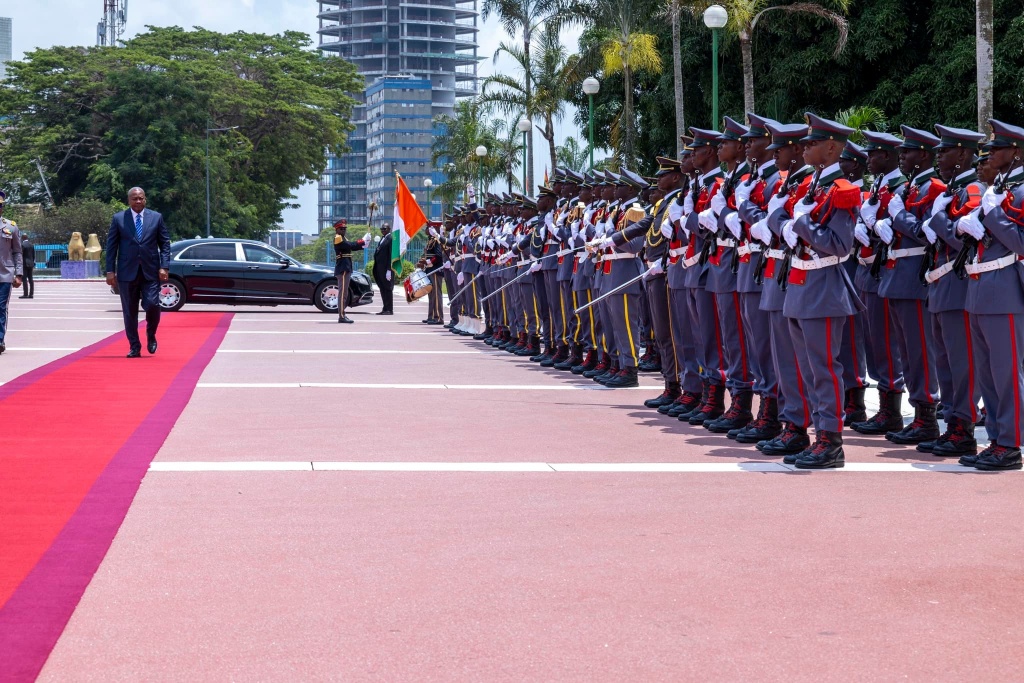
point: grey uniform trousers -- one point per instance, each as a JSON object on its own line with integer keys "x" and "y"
{"x": 817, "y": 342}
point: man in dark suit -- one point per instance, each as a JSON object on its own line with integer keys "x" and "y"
{"x": 28, "y": 256}
{"x": 139, "y": 244}
{"x": 382, "y": 272}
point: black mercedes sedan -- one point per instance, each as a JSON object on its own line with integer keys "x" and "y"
{"x": 245, "y": 272}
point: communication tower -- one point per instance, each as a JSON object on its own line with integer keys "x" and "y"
{"x": 111, "y": 26}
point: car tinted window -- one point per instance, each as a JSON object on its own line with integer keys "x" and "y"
{"x": 221, "y": 251}
{"x": 254, "y": 254}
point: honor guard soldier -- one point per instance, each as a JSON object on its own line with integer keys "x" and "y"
{"x": 11, "y": 265}
{"x": 546, "y": 276}
{"x": 995, "y": 298}
{"x": 343, "y": 264}
{"x": 857, "y": 363}
{"x": 947, "y": 292}
{"x": 882, "y": 353}
{"x": 819, "y": 295}
{"x": 571, "y": 217}
{"x": 583, "y": 278}
{"x": 903, "y": 286}
{"x": 432, "y": 263}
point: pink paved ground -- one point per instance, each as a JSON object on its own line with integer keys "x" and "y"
{"x": 511, "y": 577}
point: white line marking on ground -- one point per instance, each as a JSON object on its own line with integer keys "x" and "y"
{"x": 469, "y": 387}
{"x": 43, "y": 348}
{"x": 552, "y": 468}
{"x": 334, "y": 332}
{"x": 373, "y": 352}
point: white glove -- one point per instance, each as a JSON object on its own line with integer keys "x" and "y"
{"x": 574, "y": 229}
{"x": 760, "y": 232}
{"x": 675, "y": 212}
{"x": 594, "y": 245}
{"x": 535, "y": 266}
{"x": 718, "y": 203}
{"x": 732, "y": 221}
{"x": 550, "y": 222}
{"x": 707, "y": 220}
{"x": 688, "y": 204}
{"x": 366, "y": 238}
{"x": 432, "y": 232}
{"x": 542, "y": 232}
{"x": 896, "y": 205}
{"x": 607, "y": 242}
{"x": 561, "y": 218}
{"x": 471, "y": 193}
{"x": 801, "y": 209}
{"x": 504, "y": 258}
{"x": 742, "y": 193}
{"x": 460, "y": 279}
{"x": 869, "y": 214}
{"x": 940, "y": 203}
{"x": 656, "y": 269}
{"x": 447, "y": 265}
{"x": 883, "y": 229}
{"x": 970, "y": 225}
{"x": 926, "y": 228}
{"x": 588, "y": 214}
{"x": 489, "y": 243}
{"x": 788, "y": 234}
{"x": 991, "y": 201}
{"x": 776, "y": 203}
{"x": 666, "y": 228}
{"x": 860, "y": 233}
{"x": 387, "y": 275}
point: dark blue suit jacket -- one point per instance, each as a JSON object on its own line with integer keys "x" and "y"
{"x": 130, "y": 255}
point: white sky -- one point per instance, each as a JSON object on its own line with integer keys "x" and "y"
{"x": 45, "y": 23}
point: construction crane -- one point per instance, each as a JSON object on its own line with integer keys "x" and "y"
{"x": 111, "y": 26}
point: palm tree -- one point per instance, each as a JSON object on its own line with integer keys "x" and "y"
{"x": 573, "y": 155}
{"x": 524, "y": 18}
{"x": 508, "y": 153}
{"x": 674, "y": 9}
{"x": 984, "y": 39}
{"x": 861, "y": 119}
{"x": 625, "y": 50}
{"x": 554, "y": 74}
{"x": 454, "y": 149}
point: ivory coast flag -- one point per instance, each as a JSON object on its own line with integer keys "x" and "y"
{"x": 409, "y": 219}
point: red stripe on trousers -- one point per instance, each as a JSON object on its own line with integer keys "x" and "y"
{"x": 1016, "y": 384}
{"x": 970, "y": 366}
{"x": 853, "y": 345}
{"x": 718, "y": 338}
{"x": 743, "y": 337}
{"x": 924, "y": 348}
{"x": 832, "y": 371}
{"x": 888, "y": 346}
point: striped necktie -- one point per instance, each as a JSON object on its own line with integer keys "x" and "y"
{"x": 138, "y": 227}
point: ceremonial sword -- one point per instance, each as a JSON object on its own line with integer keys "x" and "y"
{"x": 618, "y": 289}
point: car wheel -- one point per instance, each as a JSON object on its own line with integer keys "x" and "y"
{"x": 326, "y": 296}
{"x": 172, "y": 295}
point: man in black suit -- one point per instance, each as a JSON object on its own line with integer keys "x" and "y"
{"x": 139, "y": 244}
{"x": 28, "y": 257}
{"x": 383, "y": 275}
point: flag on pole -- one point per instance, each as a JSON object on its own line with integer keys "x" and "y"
{"x": 546, "y": 183}
{"x": 409, "y": 220}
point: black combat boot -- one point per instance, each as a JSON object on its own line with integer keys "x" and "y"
{"x": 923, "y": 428}
{"x": 623, "y": 379}
{"x": 668, "y": 396}
{"x": 683, "y": 413}
{"x": 589, "y": 363}
{"x": 855, "y": 410}
{"x": 737, "y": 417}
{"x": 999, "y": 458}
{"x": 791, "y": 442}
{"x": 600, "y": 368}
{"x": 574, "y": 358}
{"x": 888, "y": 418}
{"x": 765, "y": 427}
{"x": 613, "y": 369}
{"x": 711, "y": 410}
{"x": 957, "y": 441}
{"x": 826, "y": 454}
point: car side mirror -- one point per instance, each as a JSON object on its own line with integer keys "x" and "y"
{"x": 285, "y": 263}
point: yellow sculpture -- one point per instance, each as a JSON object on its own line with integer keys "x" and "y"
{"x": 93, "y": 249}
{"x": 76, "y": 247}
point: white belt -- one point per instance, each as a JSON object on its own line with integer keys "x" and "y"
{"x": 988, "y": 266}
{"x": 749, "y": 248}
{"x": 692, "y": 261}
{"x": 940, "y": 272}
{"x": 551, "y": 242}
{"x": 866, "y": 261}
{"x": 616, "y": 256}
{"x": 456, "y": 259}
{"x": 651, "y": 264}
{"x": 563, "y": 252}
{"x": 726, "y": 243}
{"x": 677, "y": 252}
{"x": 817, "y": 262}
{"x": 777, "y": 254}
{"x": 522, "y": 263}
{"x": 904, "y": 253}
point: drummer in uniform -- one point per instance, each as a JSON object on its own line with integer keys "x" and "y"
{"x": 343, "y": 264}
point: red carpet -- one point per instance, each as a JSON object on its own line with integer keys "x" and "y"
{"x": 78, "y": 438}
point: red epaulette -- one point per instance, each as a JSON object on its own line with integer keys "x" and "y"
{"x": 846, "y": 195}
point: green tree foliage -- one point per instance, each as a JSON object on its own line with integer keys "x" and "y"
{"x": 54, "y": 226}
{"x": 912, "y": 59}
{"x": 102, "y": 120}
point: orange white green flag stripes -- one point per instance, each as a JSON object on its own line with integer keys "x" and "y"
{"x": 409, "y": 220}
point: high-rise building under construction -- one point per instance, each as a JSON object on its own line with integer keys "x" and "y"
{"x": 6, "y": 44}
{"x": 427, "y": 43}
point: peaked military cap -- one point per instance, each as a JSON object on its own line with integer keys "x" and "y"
{"x": 758, "y": 127}
{"x": 633, "y": 180}
{"x": 854, "y": 152}
{"x": 819, "y": 128}
{"x": 703, "y": 137}
{"x": 734, "y": 130}
{"x": 573, "y": 177}
{"x": 958, "y": 137}
{"x": 785, "y": 134}
{"x": 528, "y": 203}
{"x": 545, "y": 191}
{"x": 914, "y": 138}
{"x": 666, "y": 166}
{"x": 884, "y": 141}
{"x": 1005, "y": 135}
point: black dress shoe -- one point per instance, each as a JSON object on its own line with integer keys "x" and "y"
{"x": 385, "y": 313}
{"x": 151, "y": 346}
{"x": 346, "y": 319}
{"x": 134, "y": 353}
{"x": 2, "y": 348}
